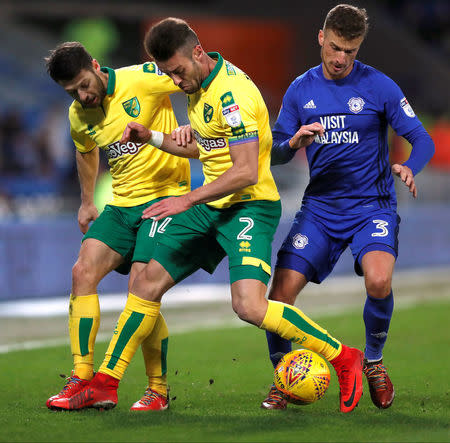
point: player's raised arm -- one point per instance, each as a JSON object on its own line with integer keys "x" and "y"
{"x": 137, "y": 133}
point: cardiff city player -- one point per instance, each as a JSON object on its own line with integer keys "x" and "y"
{"x": 350, "y": 200}
{"x": 105, "y": 100}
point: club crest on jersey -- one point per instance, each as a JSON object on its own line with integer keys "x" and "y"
{"x": 232, "y": 115}
{"x": 207, "y": 112}
{"x": 151, "y": 68}
{"x": 407, "y": 107}
{"x": 300, "y": 241}
{"x": 132, "y": 107}
{"x": 356, "y": 104}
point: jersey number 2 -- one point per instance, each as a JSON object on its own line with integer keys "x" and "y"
{"x": 243, "y": 234}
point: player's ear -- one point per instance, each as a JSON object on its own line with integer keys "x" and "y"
{"x": 320, "y": 37}
{"x": 197, "y": 52}
{"x": 95, "y": 65}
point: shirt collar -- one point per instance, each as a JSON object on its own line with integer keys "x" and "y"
{"x": 215, "y": 71}
{"x": 111, "y": 79}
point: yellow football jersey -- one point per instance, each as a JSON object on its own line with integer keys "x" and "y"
{"x": 140, "y": 172}
{"x": 226, "y": 111}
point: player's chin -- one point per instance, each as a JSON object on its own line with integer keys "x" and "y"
{"x": 189, "y": 89}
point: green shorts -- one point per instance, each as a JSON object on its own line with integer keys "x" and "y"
{"x": 123, "y": 229}
{"x": 203, "y": 235}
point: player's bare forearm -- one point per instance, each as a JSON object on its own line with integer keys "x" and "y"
{"x": 87, "y": 167}
{"x": 137, "y": 133}
{"x": 243, "y": 173}
{"x": 406, "y": 176}
{"x": 188, "y": 150}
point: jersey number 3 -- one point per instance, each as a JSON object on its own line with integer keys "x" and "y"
{"x": 381, "y": 225}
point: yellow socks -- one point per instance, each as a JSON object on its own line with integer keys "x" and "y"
{"x": 135, "y": 324}
{"x": 292, "y": 324}
{"x": 84, "y": 320}
{"x": 154, "y": 350}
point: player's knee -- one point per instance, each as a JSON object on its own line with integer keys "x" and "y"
{"x": 245, "y": 311}
{"x": 150, "y": 286}
{"x": 82, "y": 272}
{"x": 378, "y": 285}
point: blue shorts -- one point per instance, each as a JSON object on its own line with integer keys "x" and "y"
{"x": 315, "y": 242}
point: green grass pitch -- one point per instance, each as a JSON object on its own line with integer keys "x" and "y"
{"x": 218, "y": 379}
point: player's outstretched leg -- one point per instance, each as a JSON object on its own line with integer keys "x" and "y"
{"x": 381, "y": 389}
{"x": 291, "y": 323}
{"x": 348, "y": 366}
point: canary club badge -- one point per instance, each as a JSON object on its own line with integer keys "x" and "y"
{"x": 232, "y": 115}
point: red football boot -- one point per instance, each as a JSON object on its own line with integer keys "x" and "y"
{"x": 100, "y": 393}
{"x": 381, "y": 389}
{"x": 349, "y": 366}
{"x": 73, "y": 385}
{"x": 151, "y": 401}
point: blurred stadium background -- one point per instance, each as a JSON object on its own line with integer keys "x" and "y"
{"x": 409, "y": 40}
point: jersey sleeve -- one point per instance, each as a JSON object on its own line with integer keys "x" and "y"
{"x": 156, "y": 81}
{"x": 82, "y": 141}
{"x": 288, "y": 120}
{"x": 398, "y": 111}
{"x": 238, "y": 115}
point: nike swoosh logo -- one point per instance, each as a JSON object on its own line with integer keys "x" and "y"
{"x": 349, "y": 402}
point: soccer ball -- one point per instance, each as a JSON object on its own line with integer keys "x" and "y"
{"x": 302, "y": 376}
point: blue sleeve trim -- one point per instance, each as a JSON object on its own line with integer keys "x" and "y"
{"x": 422, "y": 149}
{"x": 281, "y": 152}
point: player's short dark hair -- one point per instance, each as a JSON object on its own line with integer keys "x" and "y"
{"x": 168, "y": 36}
{"x": 347, "y": 21}
{"x": 67, "y": 60}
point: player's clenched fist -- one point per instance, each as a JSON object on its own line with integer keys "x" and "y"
{"x": 305, "y": 135}
{"x": 136, "y": 133}
{"x": 86, "y": 214}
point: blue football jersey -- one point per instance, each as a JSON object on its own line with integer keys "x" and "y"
{"x": 349, "y": 165}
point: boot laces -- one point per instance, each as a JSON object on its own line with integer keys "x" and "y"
{"x": 149, "y": 397}
{"x": 71, "y": 381}
{"x": 376, "y": 374}
{"x": 275, "y": 396}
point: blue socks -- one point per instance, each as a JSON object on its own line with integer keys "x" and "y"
{"x": 377, "y": 316}
{"x": 278, "y": 346}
